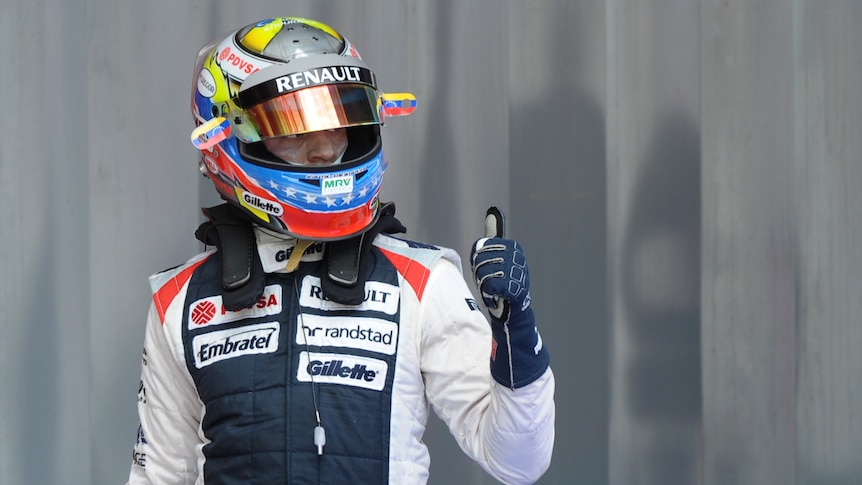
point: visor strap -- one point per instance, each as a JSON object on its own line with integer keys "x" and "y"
{"x": 296, "y": 255}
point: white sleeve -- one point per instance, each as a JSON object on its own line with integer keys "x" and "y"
{"x": 169, "y": 410}
{"x": 510, "y": 434}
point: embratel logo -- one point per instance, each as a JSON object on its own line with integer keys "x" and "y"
{"x": 213, "y": 347}
{"x": 369, "y": 334}
{"x": 211, "y": 311}
{"x": 342, "y": 369}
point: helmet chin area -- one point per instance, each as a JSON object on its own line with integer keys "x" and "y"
{"x": 312, "y": 202}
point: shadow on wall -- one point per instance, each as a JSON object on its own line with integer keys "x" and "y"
{"x": 558, "y": 211}
{"x": 661, "y": 291}
{"x": 559, "y": 205}
{"x": 559, "y": 180}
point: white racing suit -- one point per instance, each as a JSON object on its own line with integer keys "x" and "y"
{"x": 233, "y": 397}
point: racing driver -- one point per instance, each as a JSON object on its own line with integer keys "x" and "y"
{"x": 310, "y": 340}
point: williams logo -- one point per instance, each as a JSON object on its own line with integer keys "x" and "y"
{"x": 213, "y": 347}
{"x": 342, "y": 369}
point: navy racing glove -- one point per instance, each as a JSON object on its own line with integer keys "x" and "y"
{"x": 518, "y": 356}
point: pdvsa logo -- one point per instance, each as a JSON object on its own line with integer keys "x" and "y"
{"x": 239, "y": 61}
{"x": 203, "y": 312}
{"x": 211, "y": 310}
{"x": 342, "y": 369}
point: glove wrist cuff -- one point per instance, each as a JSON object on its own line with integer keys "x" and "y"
{"x": 518, "y": 342}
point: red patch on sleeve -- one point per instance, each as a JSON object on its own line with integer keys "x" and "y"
{"x": 415, "y": 273}
{"x": 166, "y": 294}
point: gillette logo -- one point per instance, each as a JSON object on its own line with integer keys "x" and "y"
{"x": 264, "y": 205}
{"x": 342, "y": 369}
{"x": 337, "y": 368}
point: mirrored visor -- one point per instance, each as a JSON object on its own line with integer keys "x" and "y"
{"x": 312, "y": 109}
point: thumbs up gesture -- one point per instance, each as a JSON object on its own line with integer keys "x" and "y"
{"x": 500, "y": 269}
{"x": 503, "y": 279}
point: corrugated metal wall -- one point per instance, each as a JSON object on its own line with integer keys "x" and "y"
{"x": 685, "y": 177}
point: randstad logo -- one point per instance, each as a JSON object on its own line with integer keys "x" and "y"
{"x": 336, "y": 185}
{"x": 342, "y": 369}
{"x": 370, "y": 334}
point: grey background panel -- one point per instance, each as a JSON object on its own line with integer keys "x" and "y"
{"x": 654, "y": 221}
{"x": 827, "y": 180}
{"x": 684, "y": 176}
{"x": 749, "y": 268}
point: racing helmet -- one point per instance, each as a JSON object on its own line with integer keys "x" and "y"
{"x": 286, "y": 77}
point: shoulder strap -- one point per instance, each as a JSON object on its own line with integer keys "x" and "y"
{"x": 243, "y": 279}
{"x": 346, "y": 261}
{"x": 241, "y": 270}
